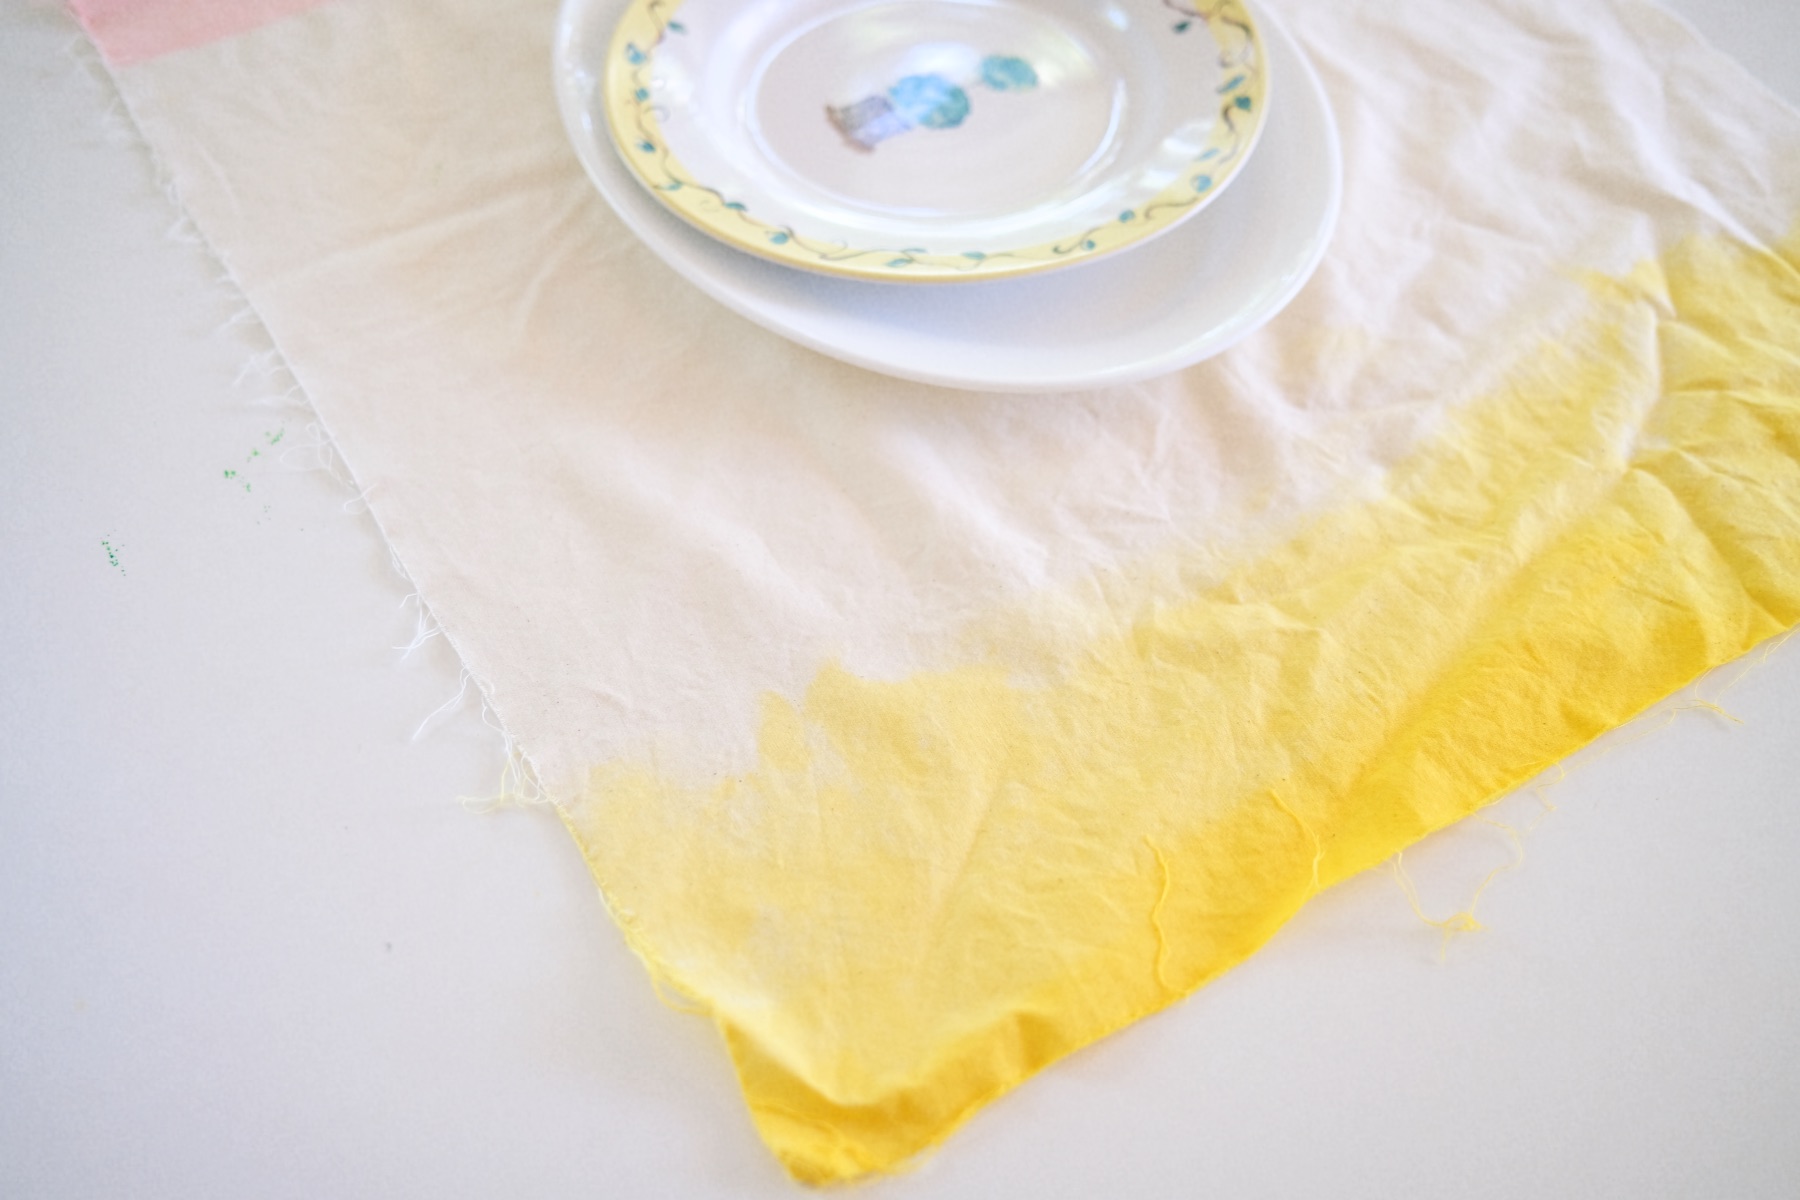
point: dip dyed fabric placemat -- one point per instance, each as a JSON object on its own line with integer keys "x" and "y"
{"x": 919, "y": 738}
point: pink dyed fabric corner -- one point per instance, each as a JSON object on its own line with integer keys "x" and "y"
{"x": 134, "y": 31}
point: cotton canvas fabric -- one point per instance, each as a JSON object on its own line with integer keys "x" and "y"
{"x": 918, "y": 738}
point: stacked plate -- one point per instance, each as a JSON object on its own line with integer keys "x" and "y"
{"x": 1022, "y": 195}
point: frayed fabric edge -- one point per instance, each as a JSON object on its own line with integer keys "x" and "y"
{"x": 519, "y": 783}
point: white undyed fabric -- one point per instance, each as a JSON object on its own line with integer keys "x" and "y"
{"x": 634, "y": 512}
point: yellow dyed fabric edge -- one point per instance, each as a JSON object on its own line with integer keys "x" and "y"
{"x": 927, "y": 889}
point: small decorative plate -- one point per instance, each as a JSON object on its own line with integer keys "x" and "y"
{"x": 1212, "y": 282}
{"x": 935, "y": 140}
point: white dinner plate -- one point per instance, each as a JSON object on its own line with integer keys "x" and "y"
{"x": 935, "y": 140}
{"x": 1130, "y": 316}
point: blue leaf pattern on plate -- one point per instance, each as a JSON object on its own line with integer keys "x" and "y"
{"x": 1004, "y": 73}
{"x": 929, "y": 100}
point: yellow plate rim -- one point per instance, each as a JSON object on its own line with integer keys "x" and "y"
{"x": 637, "y": 136}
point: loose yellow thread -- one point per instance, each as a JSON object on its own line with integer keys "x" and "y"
{"x": 1711, "y": 707}
{"x": 1548, "y": 811}
{"x": 1543, "y": 797}
{"x": 1518, "y": 844}
{"x": 1318, "y": 847}
{"x": 519, "y": 788}
{"x": 1757, "y": 660}
{"x": 669, "y": 998}
{"x": 1162, "y": 941}
{"x": 1450, "y": 926}
{"x": 1464, "y": 921}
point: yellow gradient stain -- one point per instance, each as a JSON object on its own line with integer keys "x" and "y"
{"x": 929, "y": 888}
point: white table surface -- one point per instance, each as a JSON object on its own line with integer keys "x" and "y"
{"x": 252, "y": 945}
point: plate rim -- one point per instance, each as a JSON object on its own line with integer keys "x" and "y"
{"x": 629, "y": 109}
{"x": 742, "y": 284}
